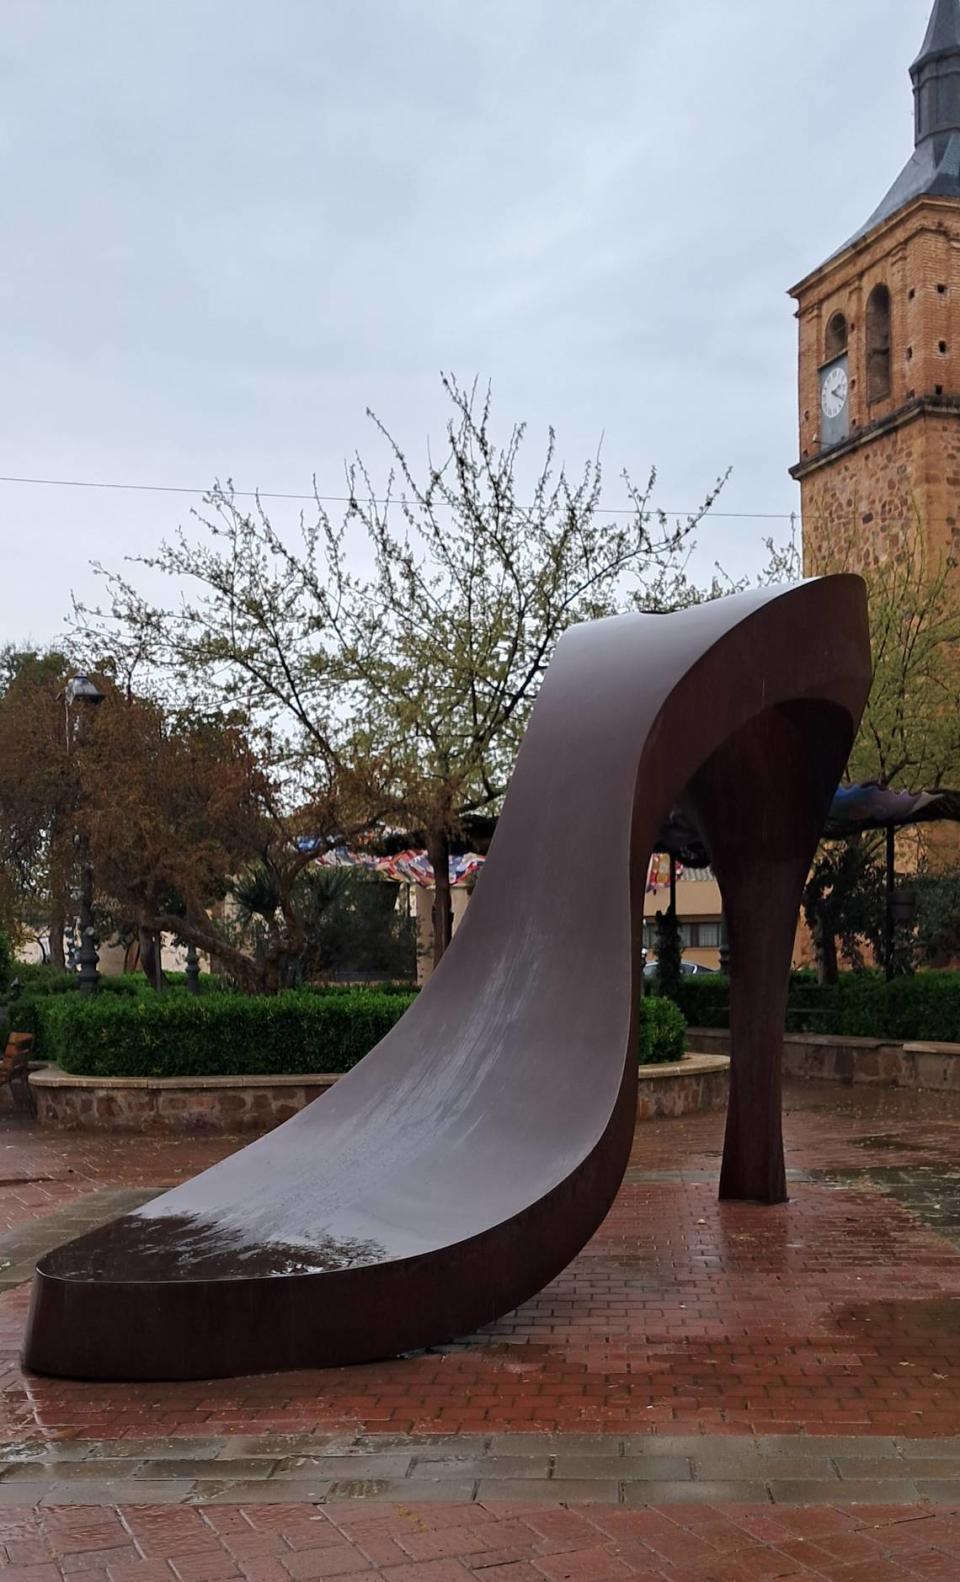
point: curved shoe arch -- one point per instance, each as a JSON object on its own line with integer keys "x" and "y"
{"x": 471, "y": 1155}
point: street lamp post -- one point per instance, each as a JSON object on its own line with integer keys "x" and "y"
{"x": 193, "y": 969}
{"x": 81, "y": 690}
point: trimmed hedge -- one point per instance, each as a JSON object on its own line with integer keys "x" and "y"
{"x": 663, "y": 1032}
{"x": 922, "y": 1007}
{"x": 175, "y": 1035}
{"x": 704, "y": 1001}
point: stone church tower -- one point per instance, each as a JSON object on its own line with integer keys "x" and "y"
{"x": 880, "y": 350}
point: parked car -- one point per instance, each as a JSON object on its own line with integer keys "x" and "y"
{"x": 688, "y": 968}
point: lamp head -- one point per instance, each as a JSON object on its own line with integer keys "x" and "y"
{"x": 82, "y": 690}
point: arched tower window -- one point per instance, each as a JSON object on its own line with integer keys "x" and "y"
{"x": 836, "y": 342}
{"x": 878, "y": 344}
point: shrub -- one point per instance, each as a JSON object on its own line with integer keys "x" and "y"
{"x": 176, "y": 1035}
{"x": 812, "y": 1007}
{"x": 40, "y": 978}
{"x": 924, "y": 1007}
{"x": 663, "y": 1031}
{"x": 704, "y": 1000}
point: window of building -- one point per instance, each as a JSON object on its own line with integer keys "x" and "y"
{"x": 693, "y": 936}
{"x": 879, "y": 337}
{"x": 837, "y": 337}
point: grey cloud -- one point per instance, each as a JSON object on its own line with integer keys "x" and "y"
{"x": 228, "y": 227}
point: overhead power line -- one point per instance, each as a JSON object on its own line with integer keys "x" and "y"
{"x": 346, "y": 499}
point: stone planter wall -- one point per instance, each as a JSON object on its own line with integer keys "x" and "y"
{"x": 171, "y": 1104}
{"x": 229, "y": 1105}
{"x": 701, "y": 1082}
{"x": 824, "y": 1057}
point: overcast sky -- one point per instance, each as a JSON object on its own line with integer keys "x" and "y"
{"x": 229, "y": 226}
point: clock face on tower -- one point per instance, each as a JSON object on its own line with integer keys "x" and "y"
{"x": 833, "y": 394}
{"x": 835, "y": 402}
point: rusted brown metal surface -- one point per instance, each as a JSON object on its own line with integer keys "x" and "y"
{"x": 464, "y": 1163}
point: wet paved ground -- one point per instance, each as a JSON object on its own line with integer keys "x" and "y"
{"x": 695, "y": 1355}
{"x": 501, "y": 1542}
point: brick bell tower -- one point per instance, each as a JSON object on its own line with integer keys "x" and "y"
{"x": 880, "y": 349}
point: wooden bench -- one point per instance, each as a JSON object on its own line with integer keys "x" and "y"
{"x": 15, "y": 1070}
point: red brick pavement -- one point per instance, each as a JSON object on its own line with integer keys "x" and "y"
{"x": 832, "y": 1315}
{"x": 492, "y": 1543}
{"x": 41, "y": 1172}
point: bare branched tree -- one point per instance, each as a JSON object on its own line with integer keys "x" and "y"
{"x": 403, "y": 645}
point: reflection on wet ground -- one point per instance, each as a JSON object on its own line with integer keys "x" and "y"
{"x": 930, "y": 1192}
{"x": 882, "y": 1141}
{"x": 141, "y": 1248}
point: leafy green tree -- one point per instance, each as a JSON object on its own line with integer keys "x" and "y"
{"x": 843, "y": 903}
{"x": 669, "y": 954}
{"x": 937, "y": 932}
{"x": 352, "y": 923}
{"x": 910, "y": 734}
{"x": 173, "y": 807}
{"x": 38, "y": 794}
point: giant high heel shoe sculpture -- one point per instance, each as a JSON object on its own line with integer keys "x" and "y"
{"x": 470, "y": 1156}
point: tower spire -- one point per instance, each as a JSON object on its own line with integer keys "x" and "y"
{"x": 933, "y": 171}
{"x": 936, "y": 74}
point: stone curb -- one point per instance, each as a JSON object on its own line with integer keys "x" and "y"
{"x": 560, "y": 1468}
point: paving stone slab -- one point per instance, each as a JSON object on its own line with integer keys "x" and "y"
{"x": 706, "y": 1493}
{"x": 241, "y": 1468}
{"x": 946, "y": 1491}
{"x": 456, "y": 1490}
{"x": 716, "y": 1466}
{"x": 308, "y": 1492}
{"x": 675, "y": 1444}
{"x": 69, "y": 1471}
{"x": 865, "y": 1467}
{"x": 565, "y": 1491}
{"x": 818, "y": 1491}
{"x": 158, "y": 1449}
{"x": 31, "y": 1494}
{"x": 578, "y": 1444}
{"x": 391, "y": 1464}
{"x": 663, "y": 1469}
{"x": 120, "y": 1492}
{"x": 878, "y": 1447}
{"x": 926, "y": 1449}
{"x": 284, "y": 1445}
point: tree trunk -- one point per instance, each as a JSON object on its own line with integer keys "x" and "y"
{"x": 438, "y": 850}
{"x": 250, "y": 975}
{"x": 825, "y": 944}
{"x": 150, "y": 957}
{"x": 58, "y": 921}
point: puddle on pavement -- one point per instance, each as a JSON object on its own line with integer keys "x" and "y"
{"x": 903, "y": 1321}
{"x": 930, "y": 1193}
{"x": 892, "y": 1141}
{"x": 521, "y": 1353}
